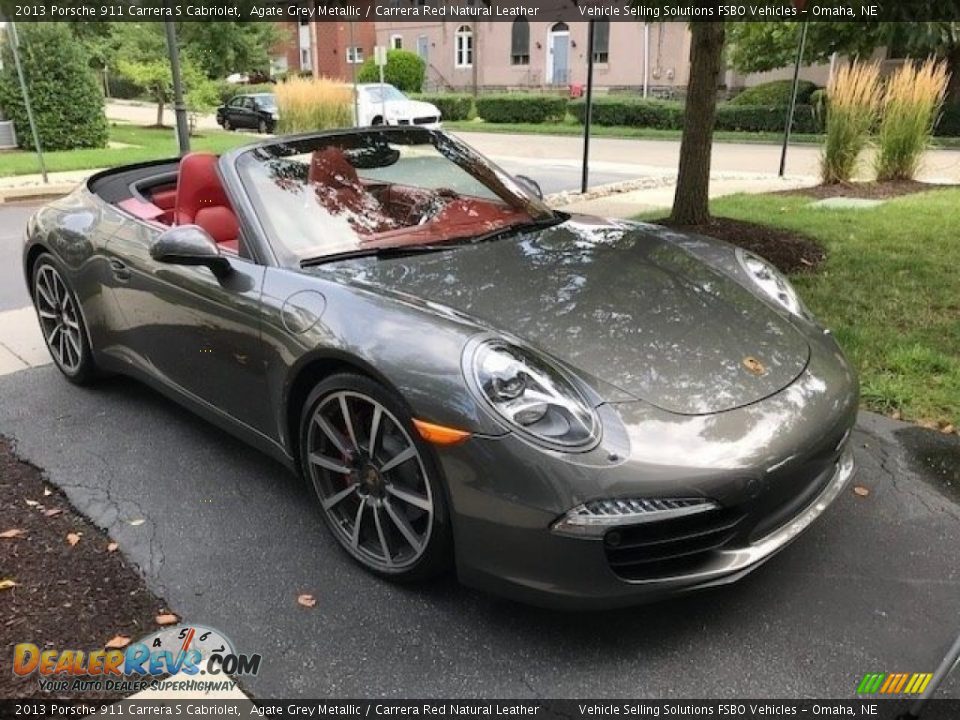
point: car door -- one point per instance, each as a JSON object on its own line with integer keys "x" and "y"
{"x": 196, "y": 334}
{"x": 250, "y": 119}
{"x": 235, "y": 112}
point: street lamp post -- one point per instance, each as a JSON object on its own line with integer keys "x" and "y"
{"x": 179, "y": 108}
{"x": 585, "y": 178}
{"x": 14, "y": 46}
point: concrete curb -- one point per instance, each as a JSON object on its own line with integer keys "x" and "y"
{"x": 32, "y": 193}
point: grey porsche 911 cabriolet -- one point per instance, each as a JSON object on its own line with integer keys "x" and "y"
{"x": 568, "y": 410}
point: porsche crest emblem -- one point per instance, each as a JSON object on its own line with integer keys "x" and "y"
{"x": 754, "y": 366}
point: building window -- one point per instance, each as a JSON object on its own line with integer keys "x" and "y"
{"x": 354, "y": 55}
{"x": 304, "y": 59}
{"x": 463, "y": 57}
{"x": 601, "y": 41}
{"x": 520, "y": 42}
{"x": 396, "y": 42}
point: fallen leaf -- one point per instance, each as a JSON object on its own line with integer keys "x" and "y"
{"x": 929, "y": 424}
{"x": 12, "y": 533}
{"x": 7, "y": 583}
{"x": 138, "y": 521}
{"x": 948, "y": 429}
{"x": 112, "y": 547}
{"x": 53, "y": 512}
{"x": 31, "y": 503}
{"x": 861, "y": 490}
{"x": 47, "y": 492}
{"x": 306, "y": 600}
{"x": 73, "y": 538}
{"x": 166, "y": 619}
{"x": 117, "y": 642}
{"x": 896, "y": 415}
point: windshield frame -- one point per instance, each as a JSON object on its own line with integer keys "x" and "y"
{"x": 504, "y": 187}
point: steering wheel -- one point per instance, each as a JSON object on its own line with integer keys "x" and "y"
{"x": 435, "y": 204}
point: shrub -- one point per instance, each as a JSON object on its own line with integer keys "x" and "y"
{"x": 519, "y": 108}
{"x": 766, "y": 118}
{"x": 632, "y": 112}
{"x": 911, "y": 102}
{"x": 852, "y": 102}
{"x": 775, "y": 93}
{"x": 948, "y": 124}
{"x": 228, "y": 91}
{"x": 65, "y": 95}
{"x": 404, "y": 70}
{"x": 452, "y": 107}
{"x": 313, "y": 104}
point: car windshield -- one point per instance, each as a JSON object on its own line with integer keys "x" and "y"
{"x": 266, "y": 100}
{"x": 384, "y": 93}
{"x": 364, "y": 191}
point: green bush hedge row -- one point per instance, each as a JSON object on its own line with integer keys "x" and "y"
{"x": 775, "y": 93}
{"x": 518, "y": 108}
{"x": 451, "y": 106}
{"x": 949, "y": 123}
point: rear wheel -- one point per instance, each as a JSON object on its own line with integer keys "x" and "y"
{"x": 377, "y": 120}
{"x": 227, "y": 125}
{"x": 376, "y": 480}
{"x": 61, "y": 323}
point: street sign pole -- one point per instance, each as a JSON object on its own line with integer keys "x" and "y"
{"x": 380, "y": 58}
{"x": 14, "y": 45}
{"x": 179, "y": 109}
{"x": 793, "y": 97}
{"x": 585, "y": 179}
{"x": 353, "y": 74}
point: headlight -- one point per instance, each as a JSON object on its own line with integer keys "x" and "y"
{"x": 772, "y": 282}
{"x": 533, "y": 396}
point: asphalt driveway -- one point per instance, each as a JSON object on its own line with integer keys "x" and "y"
{"x": 230, "y": 539}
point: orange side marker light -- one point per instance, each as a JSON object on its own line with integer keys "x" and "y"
{"x": 439, "y": 434}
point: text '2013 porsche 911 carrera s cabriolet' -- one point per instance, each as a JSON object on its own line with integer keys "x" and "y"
{"x": 568, "y": 410}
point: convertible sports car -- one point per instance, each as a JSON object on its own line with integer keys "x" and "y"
{"x": 571, "y": 411}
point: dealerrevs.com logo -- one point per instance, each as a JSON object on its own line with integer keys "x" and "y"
{"x": 202, "y": 659}
{"x": 894, "y": 683}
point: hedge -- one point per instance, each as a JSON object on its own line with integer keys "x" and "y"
{"x": 65, "y": 94}
{"x": 451, "y": 106}
{"x": 228, "y": 91}
{"x": 666, "y": 115}
{"x": 775, "y": 93}
{"x": 518, "y": 108}
{"x": 404, "y": 70}
{"x": 949, "y": 123}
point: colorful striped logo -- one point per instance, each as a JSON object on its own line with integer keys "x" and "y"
{"x": 894, "y": 683}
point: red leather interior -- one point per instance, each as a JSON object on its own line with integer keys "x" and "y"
{"x": 165, "y": 197}
{"x": 339, "y": 190}
{"x": 201, "y": 199}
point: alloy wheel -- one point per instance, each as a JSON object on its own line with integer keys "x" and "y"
{"x": 59, "y": 319}
{"x": 371, "y": 481}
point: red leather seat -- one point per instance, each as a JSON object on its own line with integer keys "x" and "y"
{"x": 201, "y": 200}
{"x": 338, "y": 188}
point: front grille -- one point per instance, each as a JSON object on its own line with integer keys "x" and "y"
{"x": 670, "y": 547}
{"x": 425, "y": 120}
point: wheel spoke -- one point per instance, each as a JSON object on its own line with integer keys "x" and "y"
{"x": 60, "y": 341}
{"x": 374, "y": 429}
{"x": 45, "y": 291}
{"x": 340, "y": 496}
{"x": 56, "y": 287}
{"x": 403, "y": 525}
{"x": 398, "y": 459}
{"x": 74, "y": 343}
{"x": 355, "y": 539}
{"x": 334, "y": 436}
{"x": 56, "y": 328}
{"x": 46, "y": 314}
{"x": 383, "y": 540}
{"x": 347, "y": 421}
{"x": 329, "y": 463}
{"x": 410, "y": 498}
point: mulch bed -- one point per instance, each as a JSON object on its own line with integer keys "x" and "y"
{"x": 867, "y": 190}
{"x": 66, "y": 596}
{"x": 790, "y": 251}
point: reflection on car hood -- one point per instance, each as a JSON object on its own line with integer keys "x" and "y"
{"x": 620, "y": 302}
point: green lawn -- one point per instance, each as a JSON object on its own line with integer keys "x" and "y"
{"x": 890, "y": 290}
{"x": 574, "y": 128}
{"x": 151, "y": 144}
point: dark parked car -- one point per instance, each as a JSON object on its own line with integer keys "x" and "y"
{"x": 569, "y": 410}
{"x": 255, "y": 112}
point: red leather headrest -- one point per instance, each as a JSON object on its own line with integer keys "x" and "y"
{"x": 331, "y": 167}
{"x": 198, "y": 186}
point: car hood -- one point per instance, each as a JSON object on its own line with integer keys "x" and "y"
{"x": 626, "y": 304}
{"x": 411, "y": 108}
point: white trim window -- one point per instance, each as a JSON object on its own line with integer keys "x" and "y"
{"x": 463, "y": 47}
{"x": 354, "y": 55}
{"x": 396, "y": 42}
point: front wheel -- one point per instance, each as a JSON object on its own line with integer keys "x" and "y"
{"x": 61, "y": 323}
{"x": 376, "y": 480}
{"x": 263, "y": 127}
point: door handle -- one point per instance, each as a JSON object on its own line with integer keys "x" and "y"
{"x": 120, "y": 270}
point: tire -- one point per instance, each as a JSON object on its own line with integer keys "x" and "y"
{"x": 387, "y": 508}
{"x": 377, "y": 121}
{"x": 263, "y": 127}
{"x": 61, "y": 321}
{"x": 227, "y": 125}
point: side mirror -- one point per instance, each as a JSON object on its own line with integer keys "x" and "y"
{"x": 530, "y": 185}
{"x": 190, "y": 245}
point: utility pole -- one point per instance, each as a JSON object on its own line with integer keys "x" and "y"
{"x": 585, "y": 180}
{"x": 793, "y": 97}
{"x": 14, "y": 45}
{"x": 179, "y": 109}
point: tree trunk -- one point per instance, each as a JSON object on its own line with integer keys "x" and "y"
{"x": 160, "y": 113}
{"x": 691, "y": 201}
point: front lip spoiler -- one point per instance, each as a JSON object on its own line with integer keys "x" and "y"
{"x": 728, "y": 565}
